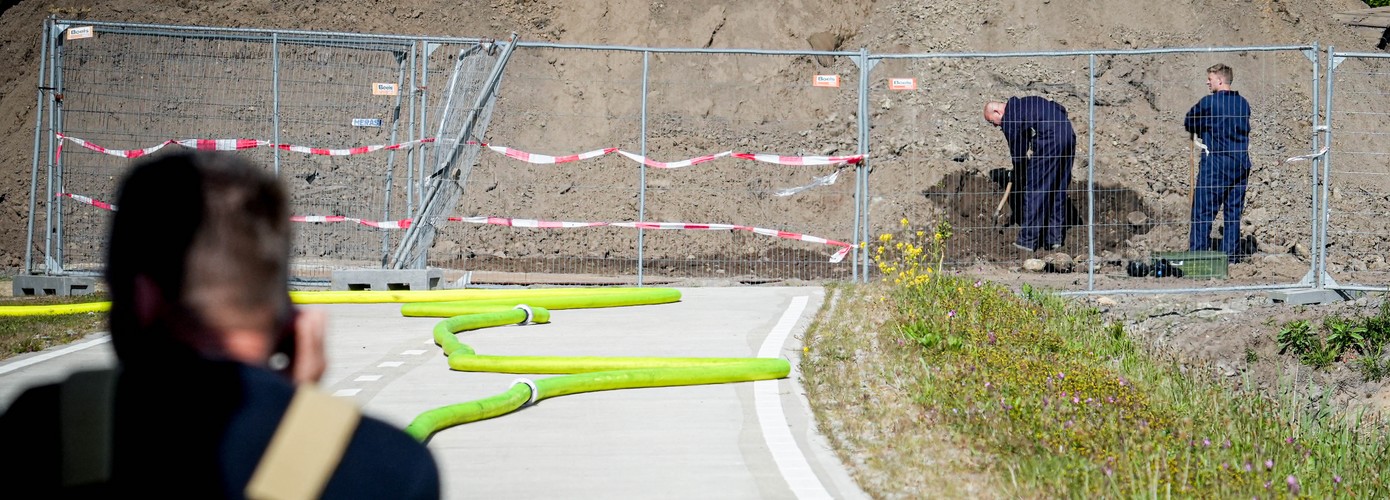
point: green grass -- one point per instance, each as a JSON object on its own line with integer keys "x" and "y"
{"x": 23, "y": 334}
{"x": 1047, "y": 400}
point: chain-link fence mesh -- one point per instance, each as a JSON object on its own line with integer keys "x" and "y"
{"x": 931, "y": 155}
{"x": 1359, "y": 171}
{"x": 1135, "y": 203}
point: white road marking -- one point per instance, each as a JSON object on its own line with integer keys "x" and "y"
{"x": 768, "y": 400}
{"x": 367, "y": 378}
{"x": 390, "y": 364}
{"x": 413, "y": 352}
{"x": 346, "y": 393}
{"x": 45, "y": 357}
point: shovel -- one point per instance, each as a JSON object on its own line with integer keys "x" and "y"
{"x": 999, "y": 209}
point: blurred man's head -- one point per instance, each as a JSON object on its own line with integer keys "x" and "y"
{"x": 994, "y": 112}
{"x": 197, "y": 260}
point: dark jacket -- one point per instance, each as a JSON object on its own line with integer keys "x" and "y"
{"x": 197, "y": 429}
{"x": 1222, "y": 121}
{"x": 1042, "y": 120}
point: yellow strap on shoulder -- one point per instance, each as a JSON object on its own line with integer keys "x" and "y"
{"x": 86, "y": 400}
{"x": 306, "y": 447}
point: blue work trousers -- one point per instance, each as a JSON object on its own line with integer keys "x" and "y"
{"x": 1221, "y": 184}
{"x": 1045, "y": 196}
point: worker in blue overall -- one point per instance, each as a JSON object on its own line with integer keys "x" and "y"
{"x": 1222, "y": 121}
{"x": 1040, "y": 125}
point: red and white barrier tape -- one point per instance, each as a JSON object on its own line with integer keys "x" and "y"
{"x": 234, "y": 145}
{"x": 535, "y": 158}
{"x": 838, "y": 256}
{"x": 541, "y": 159}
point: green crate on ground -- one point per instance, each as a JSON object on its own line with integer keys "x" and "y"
{"x": 1205, "y": 264}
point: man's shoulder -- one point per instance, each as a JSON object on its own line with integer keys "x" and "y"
{"x": 384, "y": 459}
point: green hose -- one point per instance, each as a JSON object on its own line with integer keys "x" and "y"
{"x": 55, "y": 309}
{"x": 582, "y": 374}
{"x": 472, "y": 309}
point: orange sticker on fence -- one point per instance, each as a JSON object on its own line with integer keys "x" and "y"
{"x": 384, "y": 89}
{"x": 826, "y": 81}
{"x": 902, "y": 84}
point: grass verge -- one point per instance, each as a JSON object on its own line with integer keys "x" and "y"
{"x": 23, "y": 334}
{"x": 944, "y": 385}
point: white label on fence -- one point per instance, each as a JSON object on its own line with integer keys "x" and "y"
{"x": 826, "y": 81}
{"x": 902, "y": 84}
{"x": 383, "y": 89}
{"x": 366, "y": 122}
{"x": 80, "y": 32}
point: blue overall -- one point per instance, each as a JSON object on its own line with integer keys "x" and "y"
{"x": 1222, "y": 121}
{"x": 1042, "y": 124}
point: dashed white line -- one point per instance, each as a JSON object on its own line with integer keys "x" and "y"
{"x": 413, "y": 352}
{"x": 791, "y": 462}
{"x": 390, "y": 364}
{"x": 346, "y": 393}
{"x": 47, "y": 356}
{"x": 367, "y": 378}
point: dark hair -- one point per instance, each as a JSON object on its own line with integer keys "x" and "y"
{"x": 211, "y": 232}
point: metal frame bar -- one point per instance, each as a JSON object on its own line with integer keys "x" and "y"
{"x": 38, "y": 139}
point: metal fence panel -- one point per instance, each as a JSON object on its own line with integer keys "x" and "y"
{"x": 549, "y": 105}
{"x": 1135, "y": 199}
{"x": 708, "y": 103}
{"x": 330, "y": 95}
{"x": 132, "y": 90}
{"x": 1359, "y": 171}
{"x": 134, "y": 86}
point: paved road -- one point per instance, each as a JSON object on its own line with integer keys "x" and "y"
{"x": 746, "y": 440}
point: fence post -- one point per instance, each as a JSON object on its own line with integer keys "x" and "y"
{"x": 1321, "y": 262}
{"x": 275, "y": 94}
{"x": 55, "y": 264}
{"x": 861, "y": 209}
{"x": 642, "y": 167}
{"x": 34, "y": 167}
{"x": 1091, "y": 179}
{"x": 1314, "y": 243}
{"x": 391, "y": 156}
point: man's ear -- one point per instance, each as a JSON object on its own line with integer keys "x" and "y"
{"x": 149, "y": 301}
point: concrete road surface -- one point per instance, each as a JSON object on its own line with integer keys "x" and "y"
{"x": 744, "y": 440}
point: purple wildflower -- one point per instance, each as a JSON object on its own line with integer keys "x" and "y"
{"x": 1289, "y": 440}
{"x": 1269, "y": 464}
{"x": 1206, "y": 443}
{"x": 1248, "y": 467}
{"x": 1293, "y": 485}
{"x": 1226, "y": 444}
{"x": 1337, "y": 479}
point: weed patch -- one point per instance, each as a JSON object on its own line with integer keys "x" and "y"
{"x": 24, "y": 334}
{"x": 1050, "y": 401}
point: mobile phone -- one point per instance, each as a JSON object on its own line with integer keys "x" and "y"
{"x": 282, "y": 357}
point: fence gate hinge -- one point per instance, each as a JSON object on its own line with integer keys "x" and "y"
{"x": 1336, "y": 60}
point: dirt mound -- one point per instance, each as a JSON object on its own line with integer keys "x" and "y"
{"x": 894, "y": 26}
{"x": 969, "y": 202}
